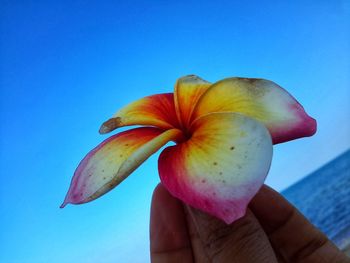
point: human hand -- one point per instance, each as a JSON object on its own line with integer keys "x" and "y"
{"x": 271, "y": 231}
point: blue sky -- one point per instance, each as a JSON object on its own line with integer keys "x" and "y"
{"x": 66, "y": 66}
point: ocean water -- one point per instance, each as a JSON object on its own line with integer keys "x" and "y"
{"x": 324, "y": 198}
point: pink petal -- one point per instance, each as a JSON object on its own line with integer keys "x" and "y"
{"x": 113, "y": 160}
{"x": 221, "y": 167}
{"x": 262, "y": 100}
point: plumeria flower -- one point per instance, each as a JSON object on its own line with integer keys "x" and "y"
{"x": 223, "y": 134}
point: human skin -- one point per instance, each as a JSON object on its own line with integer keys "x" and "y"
{"x": 271, "y": 231}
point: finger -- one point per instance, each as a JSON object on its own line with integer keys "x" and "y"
{"x": 169, "y": 237}
{"x": 290, "y": 233}
{"x": 198, "y": 251}
{"x": 241, "y": 241}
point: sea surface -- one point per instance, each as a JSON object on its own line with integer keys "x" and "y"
{"x": 324, "y": 198}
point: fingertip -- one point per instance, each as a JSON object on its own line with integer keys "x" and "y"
{"x": 241, "y": 241}
{"x": 270, "y": 208}
{"x": 160, "y": 193}
{"x": 162, "y": 201}
{"x": 157, "y": 193}
{"x": 169, "y": 237}
{"x": 292, "y": 235}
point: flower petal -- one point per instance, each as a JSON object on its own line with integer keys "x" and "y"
{"x": 262, "y": 100}
{"x": 113, "y": 160}
{"x": 221, "y": 167}
{"x": 187, "y": 92}
{"x": 156, "y": 110}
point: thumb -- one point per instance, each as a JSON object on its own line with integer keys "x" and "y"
{"x": 242, "y": 241}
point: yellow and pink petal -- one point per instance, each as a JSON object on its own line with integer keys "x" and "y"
{"x": 113, "y": 160}
{"x": 221, "y": 167}
{"x": 156, "y": 110}
{"x": 262, "y": 100}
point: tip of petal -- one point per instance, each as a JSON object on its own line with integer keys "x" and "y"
{"x": 110, "y": 125}
{"x": 233, "y": 217}
{"x": 191, "y": 79}
{"x": 63, "y": 204}
{"x": 66, "y": 200}
{"x": 103, "y": 129}
{"x": 312, "y": 126}
{"x": 305, "y": 127}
